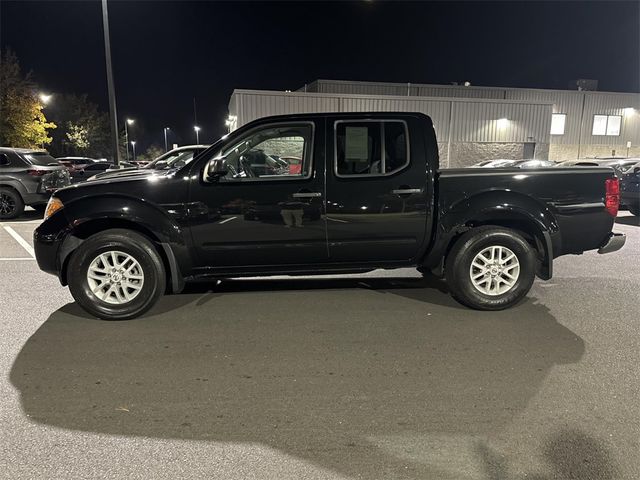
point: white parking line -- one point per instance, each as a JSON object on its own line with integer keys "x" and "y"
{"x": 2, "y": 259}
{"x": 227, "y": 220}
{"x": 20, "y": 240}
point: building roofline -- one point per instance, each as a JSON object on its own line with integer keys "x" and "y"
{"x": 471, "y": 87}
{"x": 394, "y": 97}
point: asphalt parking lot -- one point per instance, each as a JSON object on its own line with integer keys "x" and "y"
{"x": 377, "y": 376}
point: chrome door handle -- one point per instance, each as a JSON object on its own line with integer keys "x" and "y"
{"x": 405, "y": 191}
{"x": 307, "y": 195}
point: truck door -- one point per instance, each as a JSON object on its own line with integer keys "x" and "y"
{"x": 263, "y": 211}
{"x": 377, "y": 190}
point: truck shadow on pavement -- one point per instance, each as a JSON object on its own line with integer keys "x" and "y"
{"x": 351, "y": 379}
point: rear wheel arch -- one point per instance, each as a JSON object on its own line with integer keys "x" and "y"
{"x": 91, "y": 227}
{"x": 536, "y": 235}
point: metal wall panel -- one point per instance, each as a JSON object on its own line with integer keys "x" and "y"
{"x": 473, "y": 120}
{"x": 567, "y": 102}
{"x": 481, "y": 122}
{"x": 253, "y": 105}
{"x": 612, "y": 104}
{"x": 438, "y": 110}
{"x": 458, "y": 91}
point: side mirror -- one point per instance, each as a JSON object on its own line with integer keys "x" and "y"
{"x": 215, "y": 169}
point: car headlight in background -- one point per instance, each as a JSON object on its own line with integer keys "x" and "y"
{"x": 53, "y": 206}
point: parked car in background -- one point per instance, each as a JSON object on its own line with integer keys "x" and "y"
{"x": 630, "y": 189}
{"x": 75, "y": 163}
{"x": 504, "y": 163}
{"x": 176, "y": 158}
{"x": 618, "y": 164}
{"x": 81, "y": 174}
{"x": 28, "y": 177}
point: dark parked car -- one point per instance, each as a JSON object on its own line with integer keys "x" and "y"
{"x": 174, "y": 159}
{"x": 27, "y": 177}
{"x": 618, "y": 164}
{"x": 381, "y": 202}
{"x": 82, "y": 174}
{"x": 75, "y": 163}
{"x": 630, "y": 189}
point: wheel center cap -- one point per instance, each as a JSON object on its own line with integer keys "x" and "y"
{"x": 494, "y": 270}
{"x": 116, "y": 277}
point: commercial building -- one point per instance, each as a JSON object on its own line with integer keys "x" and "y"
{"x": 474, "y": 123}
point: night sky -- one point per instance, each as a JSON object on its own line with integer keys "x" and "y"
{"x": 165, "y": 53}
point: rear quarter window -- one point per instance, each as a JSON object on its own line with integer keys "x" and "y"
{"x": 38, "y": 158}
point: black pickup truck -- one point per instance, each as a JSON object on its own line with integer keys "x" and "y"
{"x": 317, "y": 194}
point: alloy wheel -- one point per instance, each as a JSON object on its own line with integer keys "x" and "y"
{"x": 115, "y": 277}
{"x": 494, "y": 270}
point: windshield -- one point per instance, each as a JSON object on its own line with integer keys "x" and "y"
{"x": 171, "y": 160}
{"x": 40, "y": 158}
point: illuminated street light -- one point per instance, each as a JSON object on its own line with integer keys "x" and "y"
{"x": 128, "y": 121}
{"x": 197, "y": 129}
{"x": 45, "y": 98}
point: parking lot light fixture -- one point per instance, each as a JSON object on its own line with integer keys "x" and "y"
{"x": 197, "y": 129}
{"x": 502, "y": 123}
{"x": 45, "y": 98}
{"x": 628, "y": 111}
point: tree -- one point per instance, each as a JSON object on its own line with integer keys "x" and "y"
{"x": 84, "y": 129}
{"x": 22, "y": 121}
{"x": 78, "y": 136}
{"x": 153, "y": 152}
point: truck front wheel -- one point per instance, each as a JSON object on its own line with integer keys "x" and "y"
{"x": 490, "y": 268}
{"x": 116, "y": 274}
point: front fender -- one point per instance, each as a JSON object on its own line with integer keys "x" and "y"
{"x": 164, "y": 224}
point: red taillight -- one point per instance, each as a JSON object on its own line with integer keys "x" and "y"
{"x": 612, "y": 196}
{"x": 34, "y": 172}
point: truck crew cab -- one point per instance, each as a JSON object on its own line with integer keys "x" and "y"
{"x": 366, "y": 193}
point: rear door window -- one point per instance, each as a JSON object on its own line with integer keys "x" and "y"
{"x": 370, "y": 148}
{"x": 40, "y": 158}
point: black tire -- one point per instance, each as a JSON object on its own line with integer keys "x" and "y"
{"x": 131, "y": 243}
{"x": 635, "y": 211}
{"x": 11, "y": 204}
{"x": 458, "y": 267}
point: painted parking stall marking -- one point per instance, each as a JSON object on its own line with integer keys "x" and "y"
{"x": 6, "y": 255}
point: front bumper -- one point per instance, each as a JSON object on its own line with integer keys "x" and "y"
{"x": 614, "y": 242}
{"x": 47, "y": 241}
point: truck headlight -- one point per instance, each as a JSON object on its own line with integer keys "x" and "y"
{"x": 53, "y": 206}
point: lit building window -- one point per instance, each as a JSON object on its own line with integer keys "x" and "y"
{"x": 558, "y": 121}
{"x": 613, "y": 125}
{"x": 606, "y": 125}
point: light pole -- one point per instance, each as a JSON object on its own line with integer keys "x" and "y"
{"x": 197, "y": 129}
{"x": 128, "y": 121}
{"x": 113, "y": 114}
{"x": 166, "y": 145}
{"x": 133, "y": 146}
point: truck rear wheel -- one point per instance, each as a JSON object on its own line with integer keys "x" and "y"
{"x": 116, "y": 275}
{"x": 490, "y": 268}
